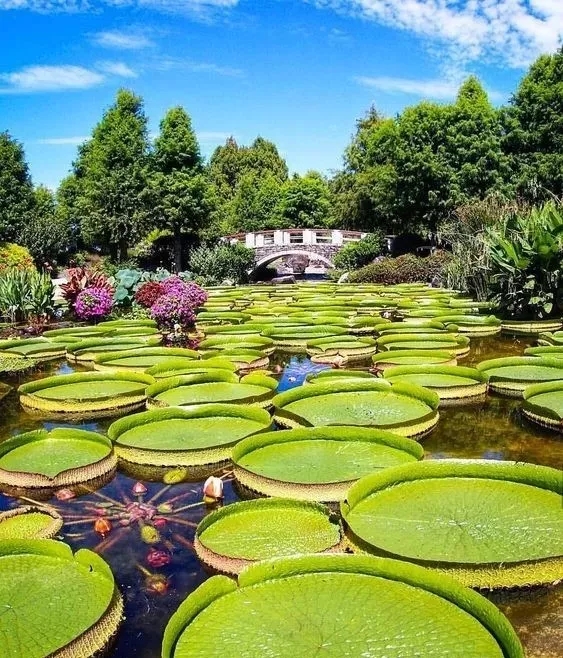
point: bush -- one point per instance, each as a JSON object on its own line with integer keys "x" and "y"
{"x": 403, "y": 269}
{"x": 178, "y": 304}
{"x": 93, "y": 304}
{"x": 80, "y": 278}
{"x": 15, "y": 257}
{"x": 357, "y": 254}
{"x": 148, "y": 293}
{"x": 25, "y": 295}
{"x": 222, "y": 262}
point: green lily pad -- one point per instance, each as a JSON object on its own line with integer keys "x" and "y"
{"x": 216, "y": 387}
{"x": 90, "y": 393}
{"x": 88, "y": 349}
{"x": 406, "y": 409}
{"x": 530, "y": 327}
{"x": 73, "y": 599}
{"x": 451, "y": 383}
{"x": 30, "y": 522}
{"x": 390, "y": 359}
{"x": 543, "y": 404}
{"x": 32, "y": 348}
{"x": 139, "y": 360}
{"x": 204, "y": 434}
{"x": 231, "y": 538}
{"x": 59, "y": 458}
{"x": 510, "y": 376}
{"x": 340, "y": 605}
{"x": 457, "y": 344}
{"x": 317, "y": 463}
{"x": 492, "y": 524}
{"x": 177, "y": 367}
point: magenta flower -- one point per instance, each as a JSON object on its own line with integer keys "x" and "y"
{"x": 93, "y": 304}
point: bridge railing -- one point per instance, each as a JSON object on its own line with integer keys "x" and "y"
{"x": 288, "y": 237}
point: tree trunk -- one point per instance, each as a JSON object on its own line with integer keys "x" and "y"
{"x": 122, "y": 255}
{"x": 177, "y": 250}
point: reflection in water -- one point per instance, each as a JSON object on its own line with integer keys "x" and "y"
{"x": 156, "y": 573}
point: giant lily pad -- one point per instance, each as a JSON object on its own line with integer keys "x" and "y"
{"x": 243, "y": 342}
{"x": 338, "y": 375}
{"x": 200, "y": 436}
{"x": 70, "y": 334}
{"x": 32, "y": 348}
{"x": 390, "y": 359}
{"x": 139, "y": 360}
{"x": 238, "y": 535}
{"x": 337, "y": 605}
{"x": 457, "y": 344}
{"x": 63, "y": 457}
{"x": 296, "y": 338}
{"x": 318, "y": 463}
{"x": 543, "y": 404}
{"x": 72, "y": 599}
{"x": 216, "y": 387}
{"x": 491, "y": 524}
{"x": 473, "y": 325}
{"x": 406, "y": 409}
{"x": 177, "y": 367}
{"x": 86, "y": 394}
{"x": 242, "y": 358}
{"x": 551, "y": 338}
{"x": 88, "y": 349}
{"x": 510, "y": 376}
{"x": 30, "y": 522}
{"x": 530, "y": 327}
{"x": 349, "y": 348}
{"x": 454, "y": 384}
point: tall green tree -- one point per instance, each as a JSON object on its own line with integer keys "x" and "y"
{"x": 16, "y": 189}
{"x": 534, "y": 129}
{"x": 304, "y": 202}
{"x": 46, "y": 233}
{"x": 180, "y": 190}
{"x": 112, "y": 170}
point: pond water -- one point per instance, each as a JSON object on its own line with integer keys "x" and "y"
{"x": 154, "y": 579}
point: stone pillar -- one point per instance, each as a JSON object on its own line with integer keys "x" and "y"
{"x": 337, "y": 238}
{"x": 278, "y": 239}
{"x": 250, "y": 240}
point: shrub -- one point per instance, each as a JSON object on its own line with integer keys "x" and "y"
{"x": 15, "y": 257}
{"x": 403, "y": 269}
{"x": 178, "y": 303}
{"x": 148, "y": 293}
{"x": 93, "y": 304}
{"x": 222, "y": 262}
{"x": 357, "y": 254}
{"x": 25, "y": 295}
{"x": 80, "y": 278}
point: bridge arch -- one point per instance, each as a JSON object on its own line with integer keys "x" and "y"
{"x": 312, "y": 255}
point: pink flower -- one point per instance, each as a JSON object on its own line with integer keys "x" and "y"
{"x": 213, "y": 488}
{"x": 93, "y": 304}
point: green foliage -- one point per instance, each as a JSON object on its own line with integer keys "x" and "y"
{"x": 526, "y": 251}
{"x": 16, "y": 190}
{"x": 304, "y": 203}
{"x": 403, "y": 269}
{"x": 225, "y": 261}
{"x": 181, "y": 193}
{"x": 15, "y": 257}
{"x": 46, "y": 234}
{"x": 25, "y": 294}
{"x": 357, "y": 254}
{"x": 112, "y": 177}
{"x": 534, "y": 129}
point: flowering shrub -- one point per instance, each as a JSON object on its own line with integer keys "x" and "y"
{"x": 93, "y": 303}
{"x": 81, "y": 278}
{"x": 148, "y": 293}
{"x": 15, "y": 257}
{"x": 178, "y": 303}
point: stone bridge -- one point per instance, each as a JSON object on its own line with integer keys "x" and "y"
{"x": 318, "y": 245}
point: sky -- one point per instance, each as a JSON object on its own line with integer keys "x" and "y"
{"x": 297, "y": 72}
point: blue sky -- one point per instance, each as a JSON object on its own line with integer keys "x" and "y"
{"x": 298, "y": 72}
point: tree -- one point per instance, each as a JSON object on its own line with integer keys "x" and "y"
{"x": 16, "y": 189}
{"x": 46, "y": 234}
{"x": 534, "y": 129}
{"x": 305, "y": 202}
{"x": 112, "y": 172}
{"x": 180, "y": 189}
{"x": 254, "y": 204}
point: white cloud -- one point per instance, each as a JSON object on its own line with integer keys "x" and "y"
{"x": 198, "y": 8}
{"x": 174, "y": 63}
{"x": 438, "y": 89}
{"x": 118, "y": 69}
{"x": 512, "y": 31}
{"x": 122, "y": 40}
{"x": 32, "y": 79}
{"x": 63, "y": 141}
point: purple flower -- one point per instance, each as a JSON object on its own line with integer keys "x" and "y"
{"x": 93, "y": 304}
{"x": 173, "y": 308}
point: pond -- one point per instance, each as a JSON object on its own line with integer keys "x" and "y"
{"x": 155, "y": 576}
